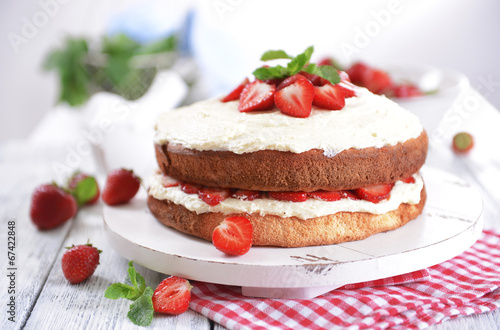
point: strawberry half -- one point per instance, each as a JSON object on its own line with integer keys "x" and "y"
{"x": 288, "y": 196}
{"x": 290, "y": 80}
{"x": 233, "y": 236}
{"x": 257, "y": 96}
{"x": 376, "y": 193}
{"x": 235, "y": 93}
{"x": 329, "y": 196}
{"x": 213, "y": 196}
{"x": 246, "y": 195}
{"x": 172, "y": 296}
{"x": 296, "y": 99}
{"x": 330, "y": 97}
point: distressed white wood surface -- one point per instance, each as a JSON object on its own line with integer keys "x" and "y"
{"x": 44, "y": 299}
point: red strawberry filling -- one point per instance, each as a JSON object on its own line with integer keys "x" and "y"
{"x": 214, "y": 196}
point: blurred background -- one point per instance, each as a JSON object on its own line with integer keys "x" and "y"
{"x": 218, "y": 42}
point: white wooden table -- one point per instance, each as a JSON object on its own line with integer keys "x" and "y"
{"x": 45, "y": 300}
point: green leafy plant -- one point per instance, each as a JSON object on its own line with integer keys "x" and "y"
{"x": 73, "y": 77}
{"x": 141, "y": 310}
{"x": 82, "y": 71}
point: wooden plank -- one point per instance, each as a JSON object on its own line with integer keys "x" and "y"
{"x": 84, "y": 305}
{"x": 22, "y": 169}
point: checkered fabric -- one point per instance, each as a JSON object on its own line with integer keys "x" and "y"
{"x": 464, "y": 285}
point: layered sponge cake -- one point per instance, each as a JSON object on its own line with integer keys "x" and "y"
{"x": 332, "y": 176}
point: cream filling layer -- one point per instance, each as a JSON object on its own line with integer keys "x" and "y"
{"x": 401, "y": 193}
{"x": 367, "y": 120}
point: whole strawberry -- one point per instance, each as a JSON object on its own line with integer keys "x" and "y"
{"x": 85, "y": 188}
{"x": 121, "y": 186}
{"x": 79, "y": 262}
{"x": 51, "y": 206}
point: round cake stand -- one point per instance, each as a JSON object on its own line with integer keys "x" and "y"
{"x": 450, "y": 223}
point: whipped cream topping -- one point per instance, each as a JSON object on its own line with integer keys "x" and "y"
{"x": 367, "y": 120}
{"x": 401, "y": 193}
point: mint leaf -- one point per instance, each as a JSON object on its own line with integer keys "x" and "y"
{"x": 120, "y": 290}
{"x": 274, "y": 55}
{"x": 141, "y": 311}
{"x": 141, "y": 283}
{"x": 85, "y": 190}
{"x": 325, "y": 71}
{"x": 297, "y": 64}
{"x": 132, "y": 274}
{"x": 265, "y": 73}
{"x": 308, "y": 53}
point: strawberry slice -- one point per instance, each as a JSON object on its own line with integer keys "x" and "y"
{"x": 257, "y": 96}
{"x": 189, "y": 188}
{"x": 330, "y": 97}
{"x": 344, "y": 76}
{"x": 462, "y": 143}
{"x": 288, "y": 196}
{"x": 314, "y": 78}
{"x": 213, "y": 196}
{"x": 246, "y": 195}
{"x": 349, "y": 194}
{"x": 349, "y": 89}
{"x": 235, "y": 93}
{"x": 409, "y": 180}
{"x": 296, "y": 99}
{"x": 233, "y": 236}
{"x": 329, "y": 196}
{"x": 357, "y": 71}
{"x": 172, "y": 296}
{"x": 274, "y": 82}
{"x": 377, "y": 81}
{"x": 168, "y": 181}
{"x": 290, "y": 80}
{"x": 376, "y": 193}
{"x": 326, "y": 61}
{"x": 406, "y": 91}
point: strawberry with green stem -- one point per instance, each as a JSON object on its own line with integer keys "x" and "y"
{"x": 84, "y": 188}
{"x": 80, "y": 262}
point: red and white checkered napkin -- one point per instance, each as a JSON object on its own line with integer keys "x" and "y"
{"x": 464, "y": 285}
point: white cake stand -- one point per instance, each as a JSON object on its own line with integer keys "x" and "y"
{"x": 451, "y": 223}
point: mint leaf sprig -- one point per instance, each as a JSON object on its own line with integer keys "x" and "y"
{"x": 296, "y": 64}
{"x": 141, "y": 310}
